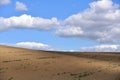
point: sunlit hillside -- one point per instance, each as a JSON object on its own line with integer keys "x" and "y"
{"x": 23, "y": 64}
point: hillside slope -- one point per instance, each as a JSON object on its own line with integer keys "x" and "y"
{"x": 23, "y": 64}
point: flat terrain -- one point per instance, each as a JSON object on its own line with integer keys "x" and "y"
{"x": 23, "y": 64}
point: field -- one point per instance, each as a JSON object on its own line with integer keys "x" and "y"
{"x": 24, "y": 64}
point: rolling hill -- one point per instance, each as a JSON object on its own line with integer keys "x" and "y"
{"x": 25, "y": 64}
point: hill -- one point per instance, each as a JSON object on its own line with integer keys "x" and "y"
{"x": 24, "y": 64}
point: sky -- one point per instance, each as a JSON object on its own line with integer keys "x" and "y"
{"x": 61, "y": 25}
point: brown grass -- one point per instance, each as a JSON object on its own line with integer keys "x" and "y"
{"x": 24, "y": 64}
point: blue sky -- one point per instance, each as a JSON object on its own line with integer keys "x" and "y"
{"x": 66, "y": 29}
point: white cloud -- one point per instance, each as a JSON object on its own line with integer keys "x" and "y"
{"x": 27, "y": 21}
{"x": 71, "y": 50}
{"x": 4, "y": 2}
{"x": 33, "y": 45}
{"x": 21, "y": 6}
{"x": 69, "y": 31}
{"x": 101, "y": 48}
{"x": 100, "y": 23}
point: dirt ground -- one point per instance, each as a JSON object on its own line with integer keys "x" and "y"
{"x": 23, "y": 64}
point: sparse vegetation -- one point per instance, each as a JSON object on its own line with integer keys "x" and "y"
{"x": 46, "y": 57}
{"x": 117, "y": 78}
{"x": 17, "y": 60}
{"x": 89, "y": 62}
{"x": 11, "y": 78}
{"x": 11, "y": 61}
{"x": 6, "y": 61}
{"x": 58, "y": 73}
{"x": 26, "y": 59}
{"x": 46, "y": 65}
{"x": 81, "y": 75}
{"x": 26, "y": 54}
{"x": 2, "y": 70}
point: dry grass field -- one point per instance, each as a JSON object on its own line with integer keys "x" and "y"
{"x": 24, "y": 64}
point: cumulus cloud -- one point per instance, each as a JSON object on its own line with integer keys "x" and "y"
{"x": 100, "y": 23}
{"x": 34, "y": 46}
{"x": 21, "y": 6}
{"x": 101, "y": 48}
{"x": 4, "y": 2}
{"x": 27, "y": 22}
{"x": 70, "y": 31}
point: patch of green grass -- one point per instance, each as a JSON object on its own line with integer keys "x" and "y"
{"x": 73, "y": 74}
{"x": 17, "y": 60}
{"x": 6, "y": 61}
{"x": 1, "y": 70}
{"x": 26, "y": 59}
{"x": 11, "y": 60}
{"x": 81, "y": 75}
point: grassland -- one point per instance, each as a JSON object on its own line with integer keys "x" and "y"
{"x": 24, "y": 64}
